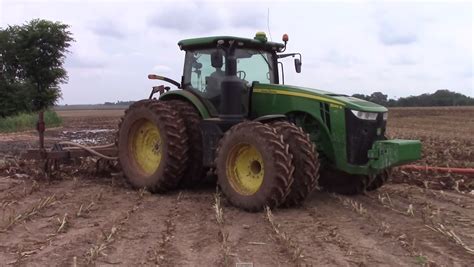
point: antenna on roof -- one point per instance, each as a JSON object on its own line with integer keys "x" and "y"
{"x": 268, "y": 24}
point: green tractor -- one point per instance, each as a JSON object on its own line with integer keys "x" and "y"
{"x": 270, "y": 144}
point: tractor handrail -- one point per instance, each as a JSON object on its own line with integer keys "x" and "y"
{"x": 162, "y": 78}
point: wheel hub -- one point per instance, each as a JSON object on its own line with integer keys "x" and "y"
{"x": 146, "y": 146}
{"x": 245, "y": 169}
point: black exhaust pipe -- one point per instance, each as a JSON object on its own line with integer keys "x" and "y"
{"x": 232, "y": 88}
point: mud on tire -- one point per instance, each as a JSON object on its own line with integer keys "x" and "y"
{"x": 195, "y": 171}
{"x": 305, "y": 161}
{"x": 137, "y": 131}
{"x": 252, "y": 180}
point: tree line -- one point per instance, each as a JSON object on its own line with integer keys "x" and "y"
{"x": 31, "y": 65}
{"x": 441, "y": 97}
{"x": 119, "y": 103}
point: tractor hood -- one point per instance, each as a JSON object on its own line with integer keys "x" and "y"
{"x": 320, "y": 95}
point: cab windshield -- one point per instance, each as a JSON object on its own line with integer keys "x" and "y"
{"x": 201, "y": 66}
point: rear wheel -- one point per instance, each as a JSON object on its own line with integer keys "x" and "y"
{"x": 195, "y": 171}
{"x": 152, "y": 145}
{"x": 253, "y": 166}
{"x": 305, "y": 160}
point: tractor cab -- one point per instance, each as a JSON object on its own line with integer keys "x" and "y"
{"x": 211, "y": 60}
{"x": 204, "y": 71}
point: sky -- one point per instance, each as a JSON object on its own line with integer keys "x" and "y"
{"x": 400, "y": 48}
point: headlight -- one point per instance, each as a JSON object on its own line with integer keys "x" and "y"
{"x": 370, "y": 116}
{"x": 385, "y": 116}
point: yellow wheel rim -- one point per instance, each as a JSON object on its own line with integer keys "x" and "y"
{"x": 146, "y": 146}
{"x": 244, "y": 168}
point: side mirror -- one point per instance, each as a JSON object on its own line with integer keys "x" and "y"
{"x": 298, "y": 65}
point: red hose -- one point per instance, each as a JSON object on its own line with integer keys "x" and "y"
{"x": 439, "y": 169}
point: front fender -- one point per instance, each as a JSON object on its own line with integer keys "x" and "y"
{"x": 268, "y": 118}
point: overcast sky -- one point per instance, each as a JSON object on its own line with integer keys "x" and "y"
{"x": 399, "y": 48}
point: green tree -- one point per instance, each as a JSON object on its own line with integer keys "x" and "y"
{"x": 32, "y": 57}
{"x": 361, "y": 96}
{"x": 442, "y": 97}
{"x": 376, "y": 97}
{"x": 379, "y": 98}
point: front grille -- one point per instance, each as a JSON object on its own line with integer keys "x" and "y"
{"x": 361, "y": 134}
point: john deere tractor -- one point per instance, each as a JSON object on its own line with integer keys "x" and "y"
{"x": 270, "y": 144}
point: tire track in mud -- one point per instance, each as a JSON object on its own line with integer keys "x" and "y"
{"x": 24, "y": 191}
{"x": 210, "y": 232}
{"x": 42, "y": 240}
{"x": 151, "y": 229}
{"x": 457, "y": 204}
{"x": 287, "y": 242}
{"x": 411, "y": 231}
{"x": 251, "y": 239}
{"x": 331, "y": 236}
{"x": 197, "y": 234}
{"x": 432, "y": 208}
{"x": 12, "y": 197}
{"x": 444, "y": 220}
{"x": 25, "y": 206}
{"x": 171, "y": 229}
{"x": 8, "y": 184}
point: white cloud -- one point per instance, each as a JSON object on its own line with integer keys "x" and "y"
{"x": 189, "y": 17}
{"x": 107, "y": 28}
{"x": 161, "y": 69}
{"x": 398, "y": 48}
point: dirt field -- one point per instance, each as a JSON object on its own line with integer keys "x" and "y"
{"x": 86, "y": 218}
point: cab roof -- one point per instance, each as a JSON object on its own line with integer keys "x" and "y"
{"x": 210, "y": 42}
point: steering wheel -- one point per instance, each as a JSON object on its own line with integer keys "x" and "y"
{"x": 241, "y": 73}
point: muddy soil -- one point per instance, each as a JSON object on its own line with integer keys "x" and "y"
{"x": 81, "y": 217}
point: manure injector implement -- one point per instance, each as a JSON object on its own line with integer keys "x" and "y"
{"x": 269, "y": 144}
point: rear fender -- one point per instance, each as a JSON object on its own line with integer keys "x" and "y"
{"x": 187, "y": 96}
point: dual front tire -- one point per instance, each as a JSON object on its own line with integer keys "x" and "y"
{"x": 256, "y": 162}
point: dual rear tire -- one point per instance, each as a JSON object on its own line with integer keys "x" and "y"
{"x": 160, "y": 145}
{"x": 153, "y": 145}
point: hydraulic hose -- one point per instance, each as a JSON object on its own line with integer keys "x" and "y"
{"x": 439, "y": 169}
{"x": 91, "y": 149}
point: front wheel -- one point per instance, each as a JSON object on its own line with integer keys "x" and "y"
{"x": 253, "y": 166}
{"x": 305, "y": 160}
